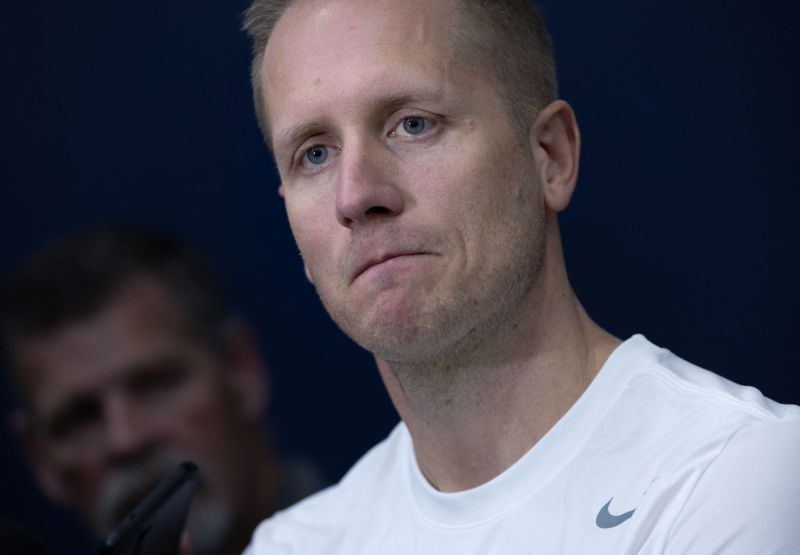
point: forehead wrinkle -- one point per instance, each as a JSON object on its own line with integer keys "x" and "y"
{"x": 399, "y": 36}
{"x": 361, "y": 17}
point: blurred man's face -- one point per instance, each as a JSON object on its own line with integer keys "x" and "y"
{"x": 416, "y": 208}
{"x": 121, "y": 397}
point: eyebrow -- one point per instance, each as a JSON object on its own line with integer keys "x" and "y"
{"x": 384, "y": 103}
{"x": 164, "y": 364}
{"x": 295, "y": 133}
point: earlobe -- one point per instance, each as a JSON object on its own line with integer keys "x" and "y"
{"x": 308, "y": 274}
{"x": 555, "y": 140}
{"x": 281, "y": 191}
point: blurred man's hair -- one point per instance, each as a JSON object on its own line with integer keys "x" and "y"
{"x": 75, "y": 278}
{"x": 508, "y": 38}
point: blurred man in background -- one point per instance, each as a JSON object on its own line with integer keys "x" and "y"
{"x": 127, "y": 361}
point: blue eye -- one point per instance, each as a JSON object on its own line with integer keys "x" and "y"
{"x": 317, "y": 154}
{"x": 414, "y": 125}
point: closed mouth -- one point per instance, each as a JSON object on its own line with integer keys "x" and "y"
{"x": 372, "y": 262}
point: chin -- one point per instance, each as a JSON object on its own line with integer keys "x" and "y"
{"x": 400, "y": 324}
{"x": 402, "y": 335}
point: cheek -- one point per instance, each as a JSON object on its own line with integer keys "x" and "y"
{"x": 467, "y": 190}
{"x": 79, "y": 475}
{"x": 314, "y": 226}
{"x": 78, "y": 479}
{"x": 204, "y": 409}
{"x": 485, "y": 196}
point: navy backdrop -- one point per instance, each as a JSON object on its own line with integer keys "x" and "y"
{"x": 683, "y": 226}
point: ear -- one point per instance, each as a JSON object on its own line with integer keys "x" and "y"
{"x": 556, "y": 143}
{"x": 281, "y": 191}
{"x": 44, "y": 471}
{"x": 248, "y": 373}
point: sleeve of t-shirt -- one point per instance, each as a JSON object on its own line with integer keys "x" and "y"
{"x": 748, "y": 499}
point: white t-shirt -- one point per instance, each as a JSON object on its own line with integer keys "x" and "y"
{"x": 657, "y": 456}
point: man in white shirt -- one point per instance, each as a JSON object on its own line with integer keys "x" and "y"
{"x": 424, "y": 157}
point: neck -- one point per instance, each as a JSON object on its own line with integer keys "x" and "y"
{"x": 472, "y": 419}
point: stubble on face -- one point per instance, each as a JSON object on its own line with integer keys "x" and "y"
{"x": 478, "y": 210}
{"x": 443, "y": 327}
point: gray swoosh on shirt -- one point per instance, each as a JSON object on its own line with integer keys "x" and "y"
{"x": 606, "y": 520}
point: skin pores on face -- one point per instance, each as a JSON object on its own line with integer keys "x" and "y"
{"x": 415, "y": 207}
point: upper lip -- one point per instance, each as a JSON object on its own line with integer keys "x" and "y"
{"x": 371, "y": 261}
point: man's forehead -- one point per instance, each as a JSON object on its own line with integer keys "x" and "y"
{"x": 315, "y": 15}
{"x": 321, "y": 28}
{"x": 142, "y": 315}
{"x": 326, "y": 45}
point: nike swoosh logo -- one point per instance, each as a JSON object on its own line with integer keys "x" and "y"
{"x": 606, "y": 520}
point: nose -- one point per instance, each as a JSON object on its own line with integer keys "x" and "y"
{"x": 367, "y": 187}
{"x": 128, "y": 429}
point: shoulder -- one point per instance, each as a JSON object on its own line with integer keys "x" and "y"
{"x": 726, "y": 456}
{"x": 744, "y": 450}
{"x": 658, "y": 374}
{"x": 760, "y": 462}
{"x": 748, "y": 497}
{"x": 315, "y": 524}
{"x": 735, "y": 430}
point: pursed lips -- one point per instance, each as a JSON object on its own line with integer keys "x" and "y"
{"x": 377, "y": 260}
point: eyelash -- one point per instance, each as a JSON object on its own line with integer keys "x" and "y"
{"x": 430, "y": 124}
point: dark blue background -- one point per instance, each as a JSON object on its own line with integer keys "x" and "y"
{"x": 683, "y": 226}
